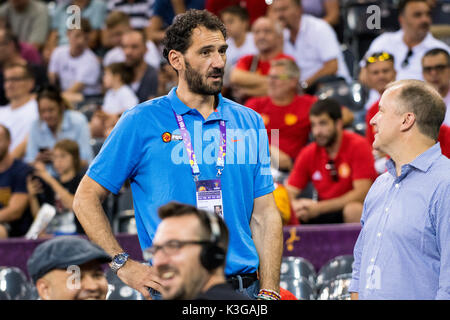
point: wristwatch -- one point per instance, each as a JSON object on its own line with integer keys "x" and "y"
{"x": 118, "y": 261}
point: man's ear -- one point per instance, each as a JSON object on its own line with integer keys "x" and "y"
{"x": 43, "y": 288}
{"x": 176, "y": 59}
{"x": 409, "y": 119}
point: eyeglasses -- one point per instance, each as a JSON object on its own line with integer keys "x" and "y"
{"x": 279, "y": 77}
{"x": 171, "y": 247}
{"x": 437, "y": 68}
{"x": 331, "y": 167}
{"x": 379, "y": 56}
{"x": 405, "y": 62}
{"x": 15, "y": 79}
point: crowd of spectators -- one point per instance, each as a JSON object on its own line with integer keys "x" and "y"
{"x": 57, "y": 57}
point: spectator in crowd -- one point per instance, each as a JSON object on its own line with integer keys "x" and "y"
{"x": 284, "y": 110}
{"x": 164, "y": 11}
{"x": 94, "y": 11}
{"x": 255, "y": 8}
{"x": 145, "y": 82}
{"x": 380, "y": 72}
{"x": 117, "y": 24}
{"x": 28, "y": 19}
{"x": 15, "y": 218}
{"x": 188, "y": 254}
{"x": 409, "y": 44}
{"x": 167, "y": 79}
{"x": 74, "y": 67}
{"x": 69, "y": 268}
{"x": 403, "y": 249}
{"x": 436, "y": 71}
{"x": 139, "y": 11}
{"x": 67, "y": 164}
{"x": 118, "y": 98}
{"x": 311, "y": 41}
{"x": 57, "y": 122}
{"x": 339, "y": 164}
{"x": 195, "y": 47}
{"x": 11, "y": 54}
{"x": 249, "y": 77}
{"x": 22, "y": 109}
{"x": 328, "y": 10}
{"x": 240, "y": 41}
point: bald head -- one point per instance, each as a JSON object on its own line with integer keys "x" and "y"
{"x": 268, "y": 35}
{"x": 421, "y": 99}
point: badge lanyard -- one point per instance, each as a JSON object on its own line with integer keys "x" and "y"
{"x": 220, "y": 163}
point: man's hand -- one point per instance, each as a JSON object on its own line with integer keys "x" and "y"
{"x": 305, "y": 209}
{"x": 140, "y": 277}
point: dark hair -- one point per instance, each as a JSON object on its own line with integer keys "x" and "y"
{"x": 175, "y": 209}
{"x": 236, "y": 10}
{"x": 178, "y": 35}
{"x": 329, "y": 106}
{"x": 27, "y": 71}
{"x": 403, "y": 3}
{"x": 9, "y": 36}
{"x": 126, "y": 73}
{"x": 71, "y": 147}
{"x": 7, "y": 132}
{"x": 425, "y": 102}
{"x": 53, "y": 93}
{"x": 437, "y": 51}
{"x": 85, "y": 26}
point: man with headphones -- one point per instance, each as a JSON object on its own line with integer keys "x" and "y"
{"x": 188, "y": 254}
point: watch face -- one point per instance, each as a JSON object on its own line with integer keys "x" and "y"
{"x": 120, "y": 259}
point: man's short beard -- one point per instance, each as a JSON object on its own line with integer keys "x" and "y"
{"x": 197, "y": 85}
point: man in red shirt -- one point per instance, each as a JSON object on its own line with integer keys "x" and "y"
{"x": 255, "y": 8}
{"x": 284, "y": 110}
{"x": 340, "y": 165}
{"x": 249, "y": 77}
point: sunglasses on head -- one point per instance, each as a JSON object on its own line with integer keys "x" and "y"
{"x": 379, "y": 56}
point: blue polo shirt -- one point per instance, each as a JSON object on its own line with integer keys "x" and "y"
{"x": 159, "y": 170}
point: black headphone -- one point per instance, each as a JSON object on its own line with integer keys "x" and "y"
{"x": 212, "y": 256}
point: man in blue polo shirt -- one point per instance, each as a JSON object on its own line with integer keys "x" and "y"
{"x": 196, "y": 147}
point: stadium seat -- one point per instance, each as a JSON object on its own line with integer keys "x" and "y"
{"x": 332, "y": 269}
{"x": 14, "y": 284}
{"x": 125, "y": 222}
{"x": 297, "y": 268}
{"x": 336, "y": 289}
{"x": 117, "y": 290}
{"x": 300, "y": 288}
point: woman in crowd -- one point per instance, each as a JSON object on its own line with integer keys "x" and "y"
{"x": 56, "y": 122}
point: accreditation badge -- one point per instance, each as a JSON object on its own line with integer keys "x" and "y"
{"x": 209, "y": 196}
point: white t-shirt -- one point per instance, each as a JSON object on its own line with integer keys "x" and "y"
{"x": 152, "y": 57}
{"x": 19, "y": 121}
{"x": 447, "y": 114}
{"x": 84, "y": 68}
{"x": 234, "y": 54}
{"x": 392, "y": 42}
{"x": 316, "y": 43}
{"x": 117, "y": 101}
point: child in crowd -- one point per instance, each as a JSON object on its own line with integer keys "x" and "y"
{"x": 118, "y": 98}
{"x": 59, "y": 192}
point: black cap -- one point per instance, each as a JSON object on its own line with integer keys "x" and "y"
{"x": 61, "y": 252}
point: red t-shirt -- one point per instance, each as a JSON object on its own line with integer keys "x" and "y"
{"x": 444, "y": 139}
{"x": 255, "y": 8}
{"x": 354, "y": 161}
{"x": 370, "y": 131}
{"x": 292, "y": 121}
{"x": 262, "y": 67}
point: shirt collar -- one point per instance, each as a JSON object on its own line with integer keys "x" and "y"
{"x": 423, "y": 162}
{"x": 181, "y": 109}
